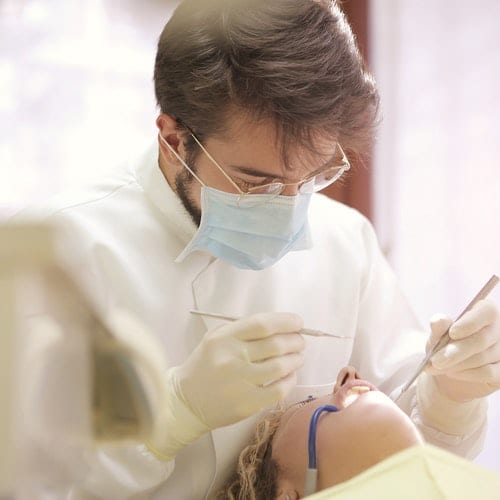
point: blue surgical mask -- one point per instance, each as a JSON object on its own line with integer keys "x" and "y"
{"x": 251, "y": 232}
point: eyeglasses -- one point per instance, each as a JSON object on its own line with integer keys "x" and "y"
{"x": 311, "y": 184}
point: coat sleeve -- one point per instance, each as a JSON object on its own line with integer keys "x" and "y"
{"x": 390, "y": 344}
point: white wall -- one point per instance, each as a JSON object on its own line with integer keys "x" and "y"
{"x": 437, "y": 175}
{"x": 76, "y": 93}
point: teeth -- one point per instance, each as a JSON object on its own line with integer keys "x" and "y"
{"x": 360, "y": 389}
{"x": 354, "y": 394}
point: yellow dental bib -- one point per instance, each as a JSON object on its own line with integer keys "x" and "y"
{"x": 419, "y": 473}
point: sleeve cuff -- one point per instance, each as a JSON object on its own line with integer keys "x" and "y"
{"x": 175, "y": 424}
{"x": 445, "y": 415}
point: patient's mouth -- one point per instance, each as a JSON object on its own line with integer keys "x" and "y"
{"x": 351, "y": 391}
{"x": 354, "y": 394}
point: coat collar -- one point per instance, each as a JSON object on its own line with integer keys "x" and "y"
{"x": 155, "y": 186}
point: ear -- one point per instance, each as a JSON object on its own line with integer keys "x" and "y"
{"x": 167, "y": 128}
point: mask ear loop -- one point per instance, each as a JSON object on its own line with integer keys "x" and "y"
{"x": 178, "y": 156}
{"x": 241, "y": 193}
{"x": 312, "y": 471}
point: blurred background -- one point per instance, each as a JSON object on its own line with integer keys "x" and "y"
{"x": 76, "y": 98}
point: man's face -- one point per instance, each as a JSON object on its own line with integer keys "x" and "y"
{"x": 251, "y": 155}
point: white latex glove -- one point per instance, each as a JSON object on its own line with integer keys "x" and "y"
{"x": 237, "y": 370}
{"x": 469, "y": 366}
{"x": 241, "y": 368}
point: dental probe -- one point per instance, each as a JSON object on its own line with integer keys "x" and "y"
{"x": 303, "y": 331}
{"x": 445, "y": 339}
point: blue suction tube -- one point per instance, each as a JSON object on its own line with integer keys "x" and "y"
{"x": 312, "y": 471}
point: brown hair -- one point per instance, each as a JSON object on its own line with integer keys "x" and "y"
{"x": 294, "y": 62}
{"x": 256, "y": 475}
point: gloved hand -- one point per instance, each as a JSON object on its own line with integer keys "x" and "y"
{"x": 236, "y": 370}
{"x": 241, "y": 368}
{"x": 469, "y": 366}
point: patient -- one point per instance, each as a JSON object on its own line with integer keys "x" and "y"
{"x": 368, "y": 428}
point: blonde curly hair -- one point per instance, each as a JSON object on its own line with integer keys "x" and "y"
{"x": 256, "y": 474}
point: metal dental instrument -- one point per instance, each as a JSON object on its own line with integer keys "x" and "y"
{"x": 443, "y": 341}
{"x": 303, "y": 331}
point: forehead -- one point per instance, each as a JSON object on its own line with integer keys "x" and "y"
{"x": 250, "y": 137}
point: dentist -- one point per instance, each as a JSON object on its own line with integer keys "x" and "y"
{"x": 261, "y": 103}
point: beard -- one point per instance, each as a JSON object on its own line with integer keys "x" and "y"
{"x": 183, "y": 183}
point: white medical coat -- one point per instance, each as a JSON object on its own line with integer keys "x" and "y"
{"x": 126, "y": 233}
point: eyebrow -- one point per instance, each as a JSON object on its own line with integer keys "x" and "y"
{"x": 252, "y": 171}
{"x": 258, "y": 173}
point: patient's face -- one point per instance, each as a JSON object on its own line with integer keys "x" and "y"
{"x": 368, "y": 428}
